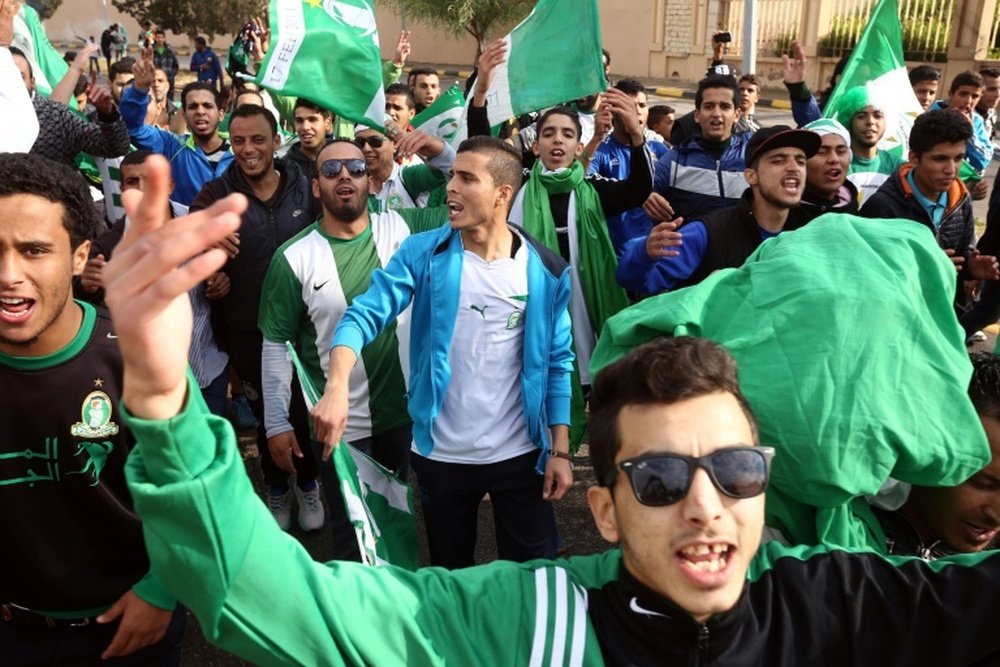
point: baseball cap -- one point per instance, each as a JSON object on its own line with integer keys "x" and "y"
{"x": 781, "y": 136}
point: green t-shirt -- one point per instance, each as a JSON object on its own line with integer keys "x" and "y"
{"x": 869, "y": 175}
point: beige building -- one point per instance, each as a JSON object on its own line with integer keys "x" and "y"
{"x": 670, "y": 40}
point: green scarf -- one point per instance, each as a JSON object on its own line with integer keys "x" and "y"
{"x": 596, "y": 261}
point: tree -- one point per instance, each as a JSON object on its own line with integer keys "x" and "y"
{"x": 475, "y": 17}
{"x": 45, "y": 8}
{"x": 194, "y": 17}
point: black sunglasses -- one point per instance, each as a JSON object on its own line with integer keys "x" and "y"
{"x": 374, "y": 142}
{"x": 355, "y": 167}
{"x": 664, "y": 479}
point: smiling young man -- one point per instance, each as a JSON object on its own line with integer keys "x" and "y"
{"x": 281, "y": 205}
{"x": 75, "y": 583}
{"x": 195, "y": 158}
{"x": 864, "y": 118}
{"x": 393, "y": 186}
{"x": 669, "y": 258}
{"x": 938, "y": 521}
{"x": 490, "y": 357}
{"x": 928, "y": 191}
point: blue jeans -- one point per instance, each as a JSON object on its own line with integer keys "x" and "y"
{"x": 216, "y": 394}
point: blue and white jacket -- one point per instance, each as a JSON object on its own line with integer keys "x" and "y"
{"x": 427, "y": 271}
{"x": 189, "y": 165}
{"x": 695, "y": 183}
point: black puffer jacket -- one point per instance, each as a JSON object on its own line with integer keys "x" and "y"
{"x": 895, "y": 199}
{"x": 265, "y": 227}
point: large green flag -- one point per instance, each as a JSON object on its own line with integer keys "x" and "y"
{"x": 554, "y": 55}
{"x": 379, "y": 505}
{"x": 877, "y": 67}
{"x": 327, "y": 51}
{"x": 47, "y": 64}
{"x": 852, "y": 359}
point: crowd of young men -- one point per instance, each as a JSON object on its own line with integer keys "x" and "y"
{"x": 447, "y": 300}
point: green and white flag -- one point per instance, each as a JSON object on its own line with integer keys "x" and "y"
{"x": 877, "y": 68}
{"x": 47, "y": 64}
{"x": 553, "y": 55}
{"x": 327, "y": 51}
{"x": 378, "y": 504}
{"x": 443, "y": 118}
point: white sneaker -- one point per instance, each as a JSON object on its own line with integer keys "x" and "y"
{"x": 311, "y": 514}
{"x": 280, "y": 505}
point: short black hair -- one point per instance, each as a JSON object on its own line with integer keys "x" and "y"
{"x": 303, "y": 103}
{"x": 199, "y": 85}
{"x": 631, "y": 87}
{"x": 331, "y": 142}
{"x": 504, "y": 162}
{"x": 559, "y": 111}
{"x": 752, "y": 79}
{"x": 14, "y": 51}
{"x": 422, "y": 71}
{"x": 160, "y": 31}
{"x": 661, "y": 372}
{"x": 251, "y": 110}
{"x": 984, "y": 387}
{"x": 657, "y": 112}
{"x": 923, "y": 73}
{"x": 992, "y": 72}
{"x": 137, "y": 156}
{"x": 30, "y": 174}
{"x": 716, "y": 81}
{"x": 968, "y": 78}
{"x": 402, "y": 89}
{"x": 123, "y": 66}
{"x": 200, "y": 40}
{"x": 938, "y": 126}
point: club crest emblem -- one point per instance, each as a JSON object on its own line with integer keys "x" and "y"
{"x": 95, "y": 417}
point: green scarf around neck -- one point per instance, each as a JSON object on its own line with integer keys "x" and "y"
{"x": 596, "y": 261}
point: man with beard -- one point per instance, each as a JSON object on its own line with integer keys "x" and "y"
{"x": 281, "y": 205}
{"x": 195, "y": 158}
{"x": 312, "y": 279}
{"x": 871, "y": 166}
{"x": 670, "y": 259}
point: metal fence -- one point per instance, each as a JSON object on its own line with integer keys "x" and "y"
{"x": 926, "y": 26}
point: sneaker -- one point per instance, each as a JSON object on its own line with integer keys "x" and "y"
{"x": 311, "y": 514}
{"x": 280, "y": 505}
{"x": 243, "y": 416}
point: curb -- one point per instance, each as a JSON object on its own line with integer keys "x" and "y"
{"x": 681, "y": 93}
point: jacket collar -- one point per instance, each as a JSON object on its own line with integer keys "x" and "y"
{"x": 957, "y": 193}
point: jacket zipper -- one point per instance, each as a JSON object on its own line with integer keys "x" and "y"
{"x": 718, "y": 173}
{"x": 702, "y": 644}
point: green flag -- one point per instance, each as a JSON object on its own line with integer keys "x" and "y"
{"x": 553, "y": 55}
{"x": 442, "y": 119}
{"x": 877, "y": 67}
{"x": 47, "y": 64}
{"x": 851, "y": 358}
{"x": 327, "y": 51}
{"x": 378, "y": 504}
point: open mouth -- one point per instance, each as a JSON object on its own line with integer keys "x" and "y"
{"x": 706, "y": 558}
{"x": 791, "y": 185}
{"x": 15, "y": 309}
{"x": 978, "y": 534}
{"x": 558, "y": 153}
{"x": 454, "y": 208}
{"x": 345, "y": 191}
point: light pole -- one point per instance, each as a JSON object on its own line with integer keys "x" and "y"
{"x": 749, "y": 36}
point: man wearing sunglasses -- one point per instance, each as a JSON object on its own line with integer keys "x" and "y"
{"x": 680, "y": 490}
{"x": 393, "y": 186}
{"x": 310, "y": 282}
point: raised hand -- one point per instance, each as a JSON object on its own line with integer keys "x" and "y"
{"x": 794, "y": 67}
{"x": 402, "y": 48}
{"x": 493, "y": 55}
{"x": 157, "y": 261}
{"x": 623, "y": 107}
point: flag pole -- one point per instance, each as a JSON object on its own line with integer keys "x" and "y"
{"x": 749, "y": 36}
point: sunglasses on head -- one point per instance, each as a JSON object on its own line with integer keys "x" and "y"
{"x": 331, "y": 168}
{"x": 374, "y": 142}
{"x": 664, "y": 479}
